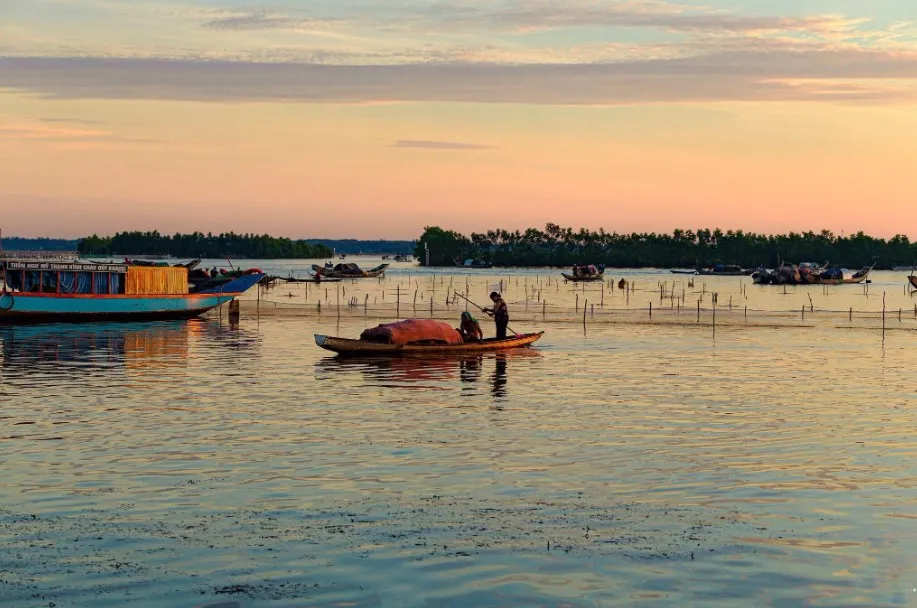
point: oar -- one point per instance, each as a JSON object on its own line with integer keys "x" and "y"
{"x": 481, "y": 308}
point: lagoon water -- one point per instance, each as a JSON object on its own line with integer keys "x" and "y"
{"x": 624, "y": 462}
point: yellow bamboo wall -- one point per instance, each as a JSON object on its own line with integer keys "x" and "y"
{"x": 156, "y": 280}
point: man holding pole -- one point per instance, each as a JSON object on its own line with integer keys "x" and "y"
{"x": 500, "y": 314}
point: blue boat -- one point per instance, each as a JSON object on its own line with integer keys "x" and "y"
{"x": 36, "y": 291}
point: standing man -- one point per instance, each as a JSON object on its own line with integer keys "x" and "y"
{"x": 500, "y": 314}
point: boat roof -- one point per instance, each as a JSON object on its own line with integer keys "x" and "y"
{"x": 38, "y": 265}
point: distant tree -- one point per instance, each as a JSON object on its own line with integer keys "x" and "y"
{"x": 558, "y": 246}
{"x": 445, "y": 246}
{"x": 198, "y": 245}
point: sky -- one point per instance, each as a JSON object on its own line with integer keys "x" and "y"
{"x": 373, "y": 119}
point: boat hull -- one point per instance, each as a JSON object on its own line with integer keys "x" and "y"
{"x": 913, "y": 281}
{"x": 570, "y": 277}
{"x": 372, "y": 273}
{"x": 734, "y": 273}
{"x": 347, "y": 346}
{"x": 19, "y": 307}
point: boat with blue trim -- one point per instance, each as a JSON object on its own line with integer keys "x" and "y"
{"x": 42, "y": 291}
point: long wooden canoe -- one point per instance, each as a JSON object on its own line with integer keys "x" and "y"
{"x": 359, "y": 347}
{"x": 913, "y": 281}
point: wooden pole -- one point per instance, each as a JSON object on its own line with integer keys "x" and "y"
{"x": 584, "y": 312}
{"x": 883, "y": 313}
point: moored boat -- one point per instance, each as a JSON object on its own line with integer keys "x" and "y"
{"x": 347, "y": 346}
{"x": 348, "y": 271}
{"x": 473, "y": 263}
{"x": 913, "y": 281}
{"x": 835, "y": 276}
{"x": 809, "y": 274}
{"x": 586, "y": 272}
{"x": 63, "y": 291}
{"x": 723, "y": 270}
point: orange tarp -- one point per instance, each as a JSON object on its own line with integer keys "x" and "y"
{"x": 156, "y": 280}
{"x": 411, "y": 331}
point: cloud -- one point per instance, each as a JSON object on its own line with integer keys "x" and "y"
{"x": 724, "y": 76}
{"x": 263, "y": 19}
{"x": 535, "y": 15}
{"x": 516, "y": 16}
{"x": 62, "y": 131}
{"x": 439, "y": 145}
{"x": 72, "y": 121}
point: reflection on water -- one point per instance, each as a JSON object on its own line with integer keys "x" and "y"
{"x": 181, "y": 464}
{"x": 425, "y": 372}
{"x": 499, "y": 377}
{"x": 91, "y": 348}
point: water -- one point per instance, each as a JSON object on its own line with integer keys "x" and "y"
{"x": 622, "y": 463}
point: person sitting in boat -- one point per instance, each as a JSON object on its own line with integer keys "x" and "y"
{"x": 500, "y": 314}
{"x": 470, "y": 328}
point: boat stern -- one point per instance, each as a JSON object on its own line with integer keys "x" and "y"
{"x": 237, "y": 286}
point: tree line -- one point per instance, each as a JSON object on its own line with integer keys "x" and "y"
{"x": 365, "y": 246}
{"x": 200, "y": 245}
{"x": 18, "y": 243}
{"x": 557, "y": 246}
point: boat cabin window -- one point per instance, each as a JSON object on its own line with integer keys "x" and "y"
{"x": 66, "y": 282}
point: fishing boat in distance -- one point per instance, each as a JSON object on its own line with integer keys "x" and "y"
{"x": 347, "y": 346}
{"x": 586, "y": 272}
{"x": 724, "y": 270}
{"x": 348, "y": 271}
{"x": 37, "y": 291}
{"x": 473, "y": 263}
{"x": 809, "y": 274}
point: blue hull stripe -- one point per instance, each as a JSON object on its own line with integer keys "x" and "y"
{"x": 24, "y": 303}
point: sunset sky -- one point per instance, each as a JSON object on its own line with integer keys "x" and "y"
{"x": 334, "y": 118}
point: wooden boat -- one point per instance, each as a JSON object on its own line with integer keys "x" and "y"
{"x": 858, "y": 277}
{"x": 724, "y": 271}
{"x": 582, "y": 279}
{"x": 913, "y": 281}
{"x": 473, "y": 263}
{"x": 674, "y": 271}
{"x": 34, "y": 291}
{"x": 597, "y": 275}
{"x": 346, "y": 346}
{"x": 348, "y": 271}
